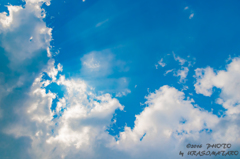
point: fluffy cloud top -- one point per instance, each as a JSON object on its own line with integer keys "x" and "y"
{"x": 226, "y": 80}
{"x": 77, "y": 127}
{"x": 16, "y": 26}
{"x": 165, "y": 124}
{"x": 24, "y": 39}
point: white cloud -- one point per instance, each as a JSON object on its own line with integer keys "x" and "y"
{"x": 52, "y": 71}
{"x": 38, "y": 2}
{"x": 168, "y": 71}
{"x": 86, "y": 117}
{"x": 97, "y": 63}
{"x": 123, "y": 93}
{"x": 179, "y": 59}
{"x": 16, "y": 29}
{"x": 161, "y": 63}
{"x": 186, "y": 8}
{"x": 161, "y": 122}
{"x": 79, "y": 131}
{"x": 185, "y": 88}
{"x": 191, "y": 16}
{"x": 82, "y": 123}
{"x": 226, "y": 80}
{"x": 24, "y": 39}
{"x": 101, "y": 63}
{"x": 169, "y": 122}
{"x": 183, "y": 72}
{"x": 204, "y": 85}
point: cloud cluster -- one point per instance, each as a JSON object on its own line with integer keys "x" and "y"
{"x": 24, "y": 50}
{"x": 24, "y": 44}
{"x": 76, "y": 128}
{"x": 77, "y": 125}
{"x": 24, "y": 27}
{"x": 164, "y": 124}
{"x": 170, "y": 122}
{"x": 183, "y": 71}
{"x": 226, "y": 80}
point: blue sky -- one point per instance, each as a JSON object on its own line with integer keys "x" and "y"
{"x": 113, "y": 79}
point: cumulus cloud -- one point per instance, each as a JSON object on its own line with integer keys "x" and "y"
{"x": 76, "y": 128}
{"x": 161, "y": 121}
{"x": 21, "y": 58}
{"x": 24, "y": 44}
{"x": 81, "y": 117}
{"x": 167, "y": 124}
{"x": 23, "y": 27}
{"x": 163, "y": 128}
{"x": 86, "y": 116}
{"x": 226, "y": 80}
{"x": 79, "y": 121}
{"x": 170, "y": 122}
